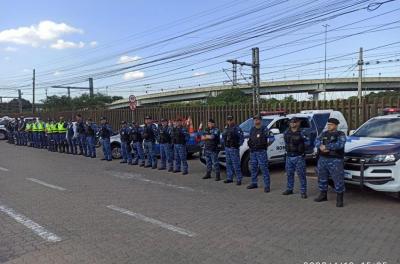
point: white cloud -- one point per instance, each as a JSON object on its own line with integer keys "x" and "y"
{"x": 62, "y": 44}
{"x": 57, "y": 73}
{"x": 10, "y": 49}
{"x": 127, "y": 59}
{"x": 93, "y": 43}
{"x": 34, "y": 35}
{"x": 133, "y": 75}
{"x": 196, "y": 74}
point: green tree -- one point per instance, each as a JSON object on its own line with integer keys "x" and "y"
{"x": 229, "y": 97}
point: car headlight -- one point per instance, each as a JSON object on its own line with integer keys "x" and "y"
{"x": 385, "y": 158}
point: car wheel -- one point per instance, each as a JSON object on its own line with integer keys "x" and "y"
{"x": 116, "y": 152}
{"x": 245, "y": 164}
{"x": 3, "y": 135}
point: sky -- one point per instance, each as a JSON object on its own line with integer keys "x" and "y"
{"x": 125, "y": 45}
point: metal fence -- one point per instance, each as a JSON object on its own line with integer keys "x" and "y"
{"x": 354, "y": 112}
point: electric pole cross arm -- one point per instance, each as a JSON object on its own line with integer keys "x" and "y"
{"x": 69, "y": 88}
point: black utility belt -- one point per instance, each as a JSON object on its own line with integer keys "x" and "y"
{"x": 295, "y": 154}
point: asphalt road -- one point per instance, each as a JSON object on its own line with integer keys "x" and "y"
{"x": 58, "y": 208}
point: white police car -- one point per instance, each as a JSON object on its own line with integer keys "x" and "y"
{"x": 372, "y": 154}
{"x": 313, "y": 122}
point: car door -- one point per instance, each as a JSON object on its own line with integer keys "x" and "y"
{"x": 277, "y": 149}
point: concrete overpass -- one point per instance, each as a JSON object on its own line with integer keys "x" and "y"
{"x": 313, "y": 87}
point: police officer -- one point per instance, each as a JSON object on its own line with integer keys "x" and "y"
{"x": 180, "y": 136}
{"x": 28, "y": 131}
{"x": 211, "y": 141}
{"x": 51, "y": 131}
{"x": 61, "y": 134}
{"x": 259, "y": 140}
{"x": 296, "y": 142}
{"x": 124, "y": 133}
{"x": 22, "y": 134}
{"x": 80, "y": 128}
{"x": 330, "y": 163}
{"x": 72, "y": 138}
{"x": 149, "y": 137}
{"x": 165, "y": 140}
{"x": 137, "y": 144}
{"x": 90, "y": 131}
{"x": 232, "y": 137}
{"x": 105, "y": 134}
{"x": 41, "y": 135}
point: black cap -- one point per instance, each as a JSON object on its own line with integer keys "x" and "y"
{"x": 294, "y": 119}
{"x": 164, "y": 120}
{"x": 123, "y": 122}
{"x": 211, "y": 120}
{"x": 229, "y": 118}
{"x": 147, "y": 117}
{"x": 257, "y": 117}
{"x": 333, "y": 121}
{"x": 103, "y": 118}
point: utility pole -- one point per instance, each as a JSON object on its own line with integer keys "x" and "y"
{"x": 256, "y": 77}
{"x": 255, "y": 65}
{"x": 33, "y": 91}
{"x": 91, "y": 93}
{"x": 326, "y": 42}
{"x": 360, "y": 74}
{"x": 20, "y": 101}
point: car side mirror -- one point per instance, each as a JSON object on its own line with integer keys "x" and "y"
{"x": 351, "y": 132}
{"x": 275, "y": 131}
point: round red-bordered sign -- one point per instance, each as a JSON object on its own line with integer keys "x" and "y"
{"x": 132, "y": 98}
{"x": 132, "y": 106}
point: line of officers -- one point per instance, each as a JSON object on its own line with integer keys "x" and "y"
{"x": 138, "y": 147}
{"x": 330, "y": 145}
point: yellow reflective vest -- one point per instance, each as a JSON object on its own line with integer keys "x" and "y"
{"x": 61, "y": 128}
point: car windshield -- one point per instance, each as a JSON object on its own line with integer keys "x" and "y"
{"x": 380, "y": 128}
{"x": 248, "y": 124}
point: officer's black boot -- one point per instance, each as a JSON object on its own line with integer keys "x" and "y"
{"x": 207, "y": 176}
{"x": 339, "y": 200}
{"x": 217, "y": 176}
{"x": 287, "y": 192}
{"x": 322, "y": 197}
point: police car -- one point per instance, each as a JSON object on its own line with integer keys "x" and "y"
{"x": 193, "y": 145}
{"x": 372, "y": 154}
{"x": 313, "y": 123}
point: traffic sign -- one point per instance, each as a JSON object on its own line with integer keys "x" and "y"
{"x": 132, "y": 98}
{"x": 133, "y": 105}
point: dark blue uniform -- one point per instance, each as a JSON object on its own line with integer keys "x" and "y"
{"x": 124, "y": 133}
{"x": 80, "y": 128}
{"x": 211, "y": 150}
{"x": 331, "y": 163}
{"x": 136, "y": 136}
{"x": 233, "y": 138}
{"x": 258, "y": 143}
{"x": 165, "y": 140}
{"x": 296, "y": 143}
{"x": 179, "y": 137}
{"x": 90, "y": 131}
{"x": 150, "y": 136}
{"x": 105, "y": 134}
